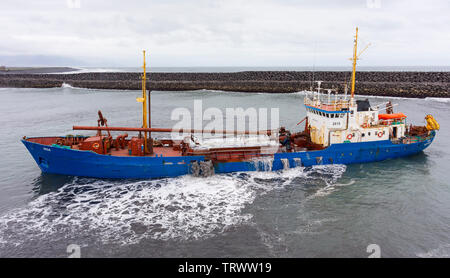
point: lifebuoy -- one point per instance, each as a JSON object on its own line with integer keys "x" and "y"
{"x": 380, "y": 134}
{"x": 95, "y": 145}
{"x": 349, "y": 137}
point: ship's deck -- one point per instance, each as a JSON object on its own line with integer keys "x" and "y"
{"x": 157, "y": 151}
{"x": 171, "y": 149}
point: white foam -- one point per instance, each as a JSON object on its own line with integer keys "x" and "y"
{"x": 209, "y": 91}
{"x": 438, "y": 99}
{"x": 65, "y": 85}
{"x": 126, "y": 212}
{"x": 68, "y": 86}
{"x": 382, "y": 97}
{"x": 335, "y": 172}
{"x": 87, "y": 70}
{"x": 302, "y": 93}
{"x": 263, "y": 163}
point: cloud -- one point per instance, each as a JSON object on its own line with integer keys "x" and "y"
{"x": 226, "y": 33}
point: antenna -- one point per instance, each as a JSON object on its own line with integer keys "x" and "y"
{"x": 314, "y": 66}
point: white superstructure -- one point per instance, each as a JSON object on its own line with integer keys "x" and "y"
{"x": 335, "y": 119}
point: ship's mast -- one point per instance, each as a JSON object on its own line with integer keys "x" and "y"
{"x": 143, "y": 99}
{"x": 355, "y": 49}
{"x": 354, "y": 59}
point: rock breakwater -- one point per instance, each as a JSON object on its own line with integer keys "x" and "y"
{"x": 399, "y": 84}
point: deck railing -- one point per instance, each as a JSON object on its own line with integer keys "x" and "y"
{"x": 330, "y": 106}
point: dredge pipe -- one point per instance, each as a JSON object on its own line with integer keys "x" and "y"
{"x": 170, "y": 130}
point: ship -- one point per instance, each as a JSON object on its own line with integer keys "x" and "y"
{"x": 338, "y": 130}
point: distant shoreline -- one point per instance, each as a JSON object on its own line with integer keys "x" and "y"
{"x": 372, "y": 83}
{"x": 36, "y": 70}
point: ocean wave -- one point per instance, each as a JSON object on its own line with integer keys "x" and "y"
{"x": 125, "y": 212}
{"x": 68, "y": 86}
{"x": 65, "y": 85}
{"x": 438, "y": 99}
{"x": 88, "y": 70}
{"x": 382, "y": 97}
{"x": 330, "y": 175}
{"x": 302, "y": 93}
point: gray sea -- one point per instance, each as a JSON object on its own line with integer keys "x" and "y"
{"x": 401, "y": 205}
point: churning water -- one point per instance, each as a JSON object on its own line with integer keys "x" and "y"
{"x": 402, "y": 205}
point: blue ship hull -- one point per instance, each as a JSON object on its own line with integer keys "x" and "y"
{"x": 89, "y": 164}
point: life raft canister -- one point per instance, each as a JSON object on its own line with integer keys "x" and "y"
{"x": 391, "y": 116}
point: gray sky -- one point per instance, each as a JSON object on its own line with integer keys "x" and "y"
{"x": 223, "y": 33}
